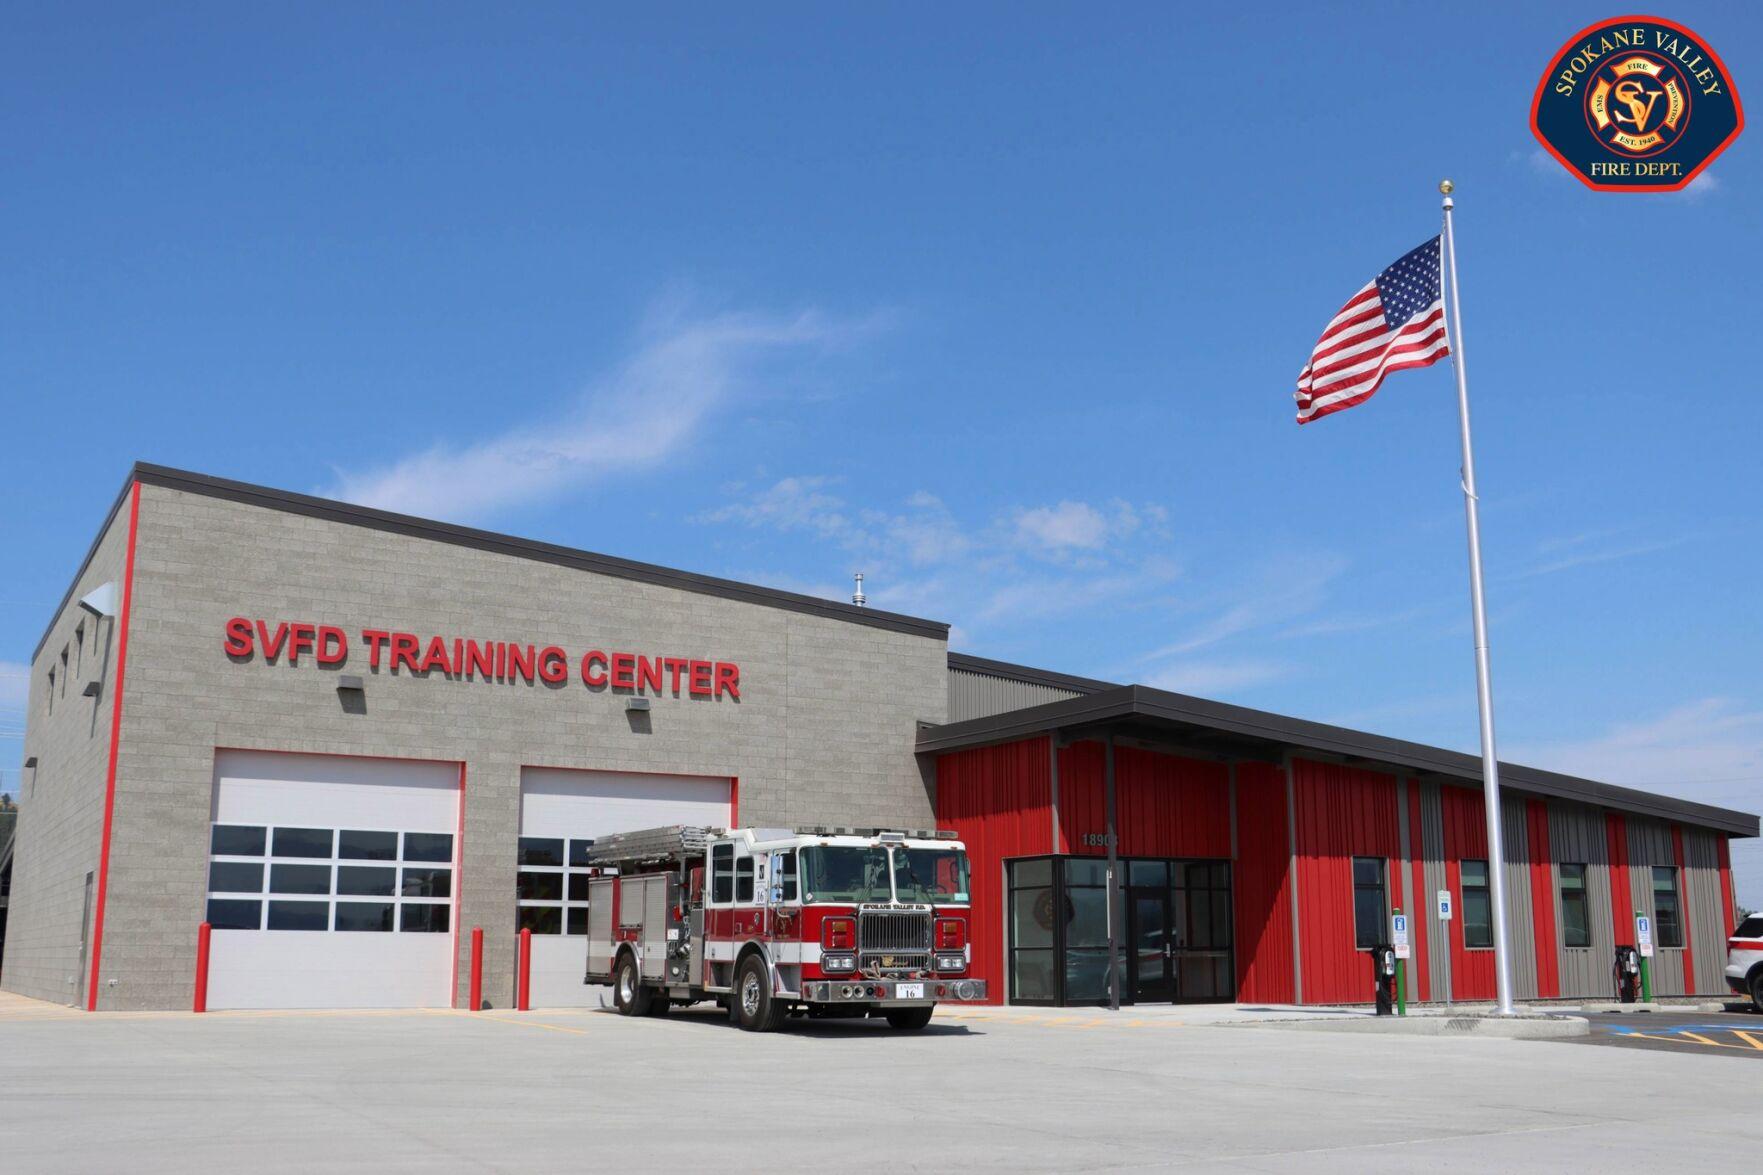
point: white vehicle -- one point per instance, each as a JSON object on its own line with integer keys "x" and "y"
{"x": 1744, "y": 960}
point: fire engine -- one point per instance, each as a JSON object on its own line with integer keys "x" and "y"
{"x": 768, "y": 922}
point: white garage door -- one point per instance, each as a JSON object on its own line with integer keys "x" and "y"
{"x": 560, "y": 813}
{"x": 332, "y": 882}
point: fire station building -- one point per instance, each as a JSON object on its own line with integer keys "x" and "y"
{"x": 343, "y": 738}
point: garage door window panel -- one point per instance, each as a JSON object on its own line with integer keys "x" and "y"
{"x": 366, "y": 880}
{"x": 302, "y": 842}
{"x": 425, "y": 918}
{"x": 236, "y": 840}
{"x": 543, "y": 851}
{"x": 235, "y": 914}
{"x": 428, "y": 846}
{"x": 300, "y": 879}
{"x": 425, "y": 882}
{"x": 542, "y": 919}
{"x": 365, "y": 916}
{"x": 235, "y": 877}
{"x": 359, "y": 845}
{"x": 299, "y": 915}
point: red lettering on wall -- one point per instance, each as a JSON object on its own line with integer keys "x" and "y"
{"x": 436, "y": 657}
{"x": 649, "y": 674}
{"x": 405, "y": 649}
{"x": 591, "y": 676}
{"x": 553, "y": 665}
{"x": 674, "y": 666}
{"x": 333, "y": 646}
{"x": 479, "y": 660}
{"x": 520, "y": 660}
{"x": 271, "y": 648}
{"x": 302, "y": 636}
{"x": 238, "y": 637}
{"x": 624, "y": 668}
{"x": 501, "y": 660}
{"x": 728, "y": 677}
{"x": 376, "y": 640}
{"x": 701, "y": 681}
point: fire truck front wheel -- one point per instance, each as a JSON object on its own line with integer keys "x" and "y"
{"x": 629, "y": 995}
{"x": 909, "y": 1019}
{"x": 755, "y": 1008}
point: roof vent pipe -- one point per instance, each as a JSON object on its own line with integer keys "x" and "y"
{"x": 857, "y": 596}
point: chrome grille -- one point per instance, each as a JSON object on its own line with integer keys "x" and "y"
{"x": 891, "y": 941}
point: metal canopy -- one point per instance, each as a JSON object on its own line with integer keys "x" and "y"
{"x": 1199, "y": 726}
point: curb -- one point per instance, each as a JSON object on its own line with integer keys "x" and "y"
{"x": 1501, "y": 1027}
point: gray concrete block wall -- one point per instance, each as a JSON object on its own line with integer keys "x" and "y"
{"x": 824, "y": 729}
{"x": 61, "y": 800}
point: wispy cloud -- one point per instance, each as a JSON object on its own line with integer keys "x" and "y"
{"x": 1702, "y": 186}
{"x": 1709, "y": 750}
{"x": 1564, "y": 553}
{"x": 1213, "y": 677}
{"x": 1279, "y": 588}
{"x": 1028, "y": 563}
{"x": 635, "y": 417}
{"x": 15, "y": 688}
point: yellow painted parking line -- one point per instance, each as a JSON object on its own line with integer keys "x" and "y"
{"x": 535, "y": 1024}
{"x": 1695, "y": 1036}
{"x": 1748, "y": 1038}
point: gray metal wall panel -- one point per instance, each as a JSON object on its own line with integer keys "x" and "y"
{"x": 1707, "y": 913}
{"x": 1520, "y": 925}
{"x": 980, "y": 695}
{"x": 1576, "y": 836}
{"x": 1432, "y": 856}
{"x": 1649, "y": 844}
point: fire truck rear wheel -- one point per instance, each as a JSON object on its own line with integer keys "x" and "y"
{"x": 909, "y": 1019}
{"x": 755, "y": 1008}
{"x": 629, "y": 995}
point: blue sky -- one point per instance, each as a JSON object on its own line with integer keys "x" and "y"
{"x": 1002, "y": 306}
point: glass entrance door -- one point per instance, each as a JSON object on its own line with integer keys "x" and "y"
{"x": 1150, "y": 946}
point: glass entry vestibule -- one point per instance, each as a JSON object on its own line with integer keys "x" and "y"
{"x": 1172, "y": 925}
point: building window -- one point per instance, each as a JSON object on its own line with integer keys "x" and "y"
{"x": 1369, "y": 902}
{"x": 1667, "y": 922}
{"x": 264, "y": 878}
{"x": 1576, "y": 921}
{"x": 1478, "y": 907}
{"x": 551, "y": 889}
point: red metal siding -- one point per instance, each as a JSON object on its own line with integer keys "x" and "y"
{"x": 1621, "y": 901}
{"x": 1725, "y": 851}
{"x": 1685, "y": 911}
{"x": 1417, "y": 913}
{"x": 1263, "y": 889}
{"x": 1466, "y": 836}
{"x": 1168, "y": 806}
{"x": 999, "y": 800}
{"x": 1083, "y": 799}
{"x": 1342, "y": 812}
{"x": 1542, "y": 900}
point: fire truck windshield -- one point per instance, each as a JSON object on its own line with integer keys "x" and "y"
{"x": 930, "y": 875}
{"x": 839, "y": 873}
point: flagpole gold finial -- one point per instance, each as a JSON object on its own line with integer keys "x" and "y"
{"x": 1446, "y": 187}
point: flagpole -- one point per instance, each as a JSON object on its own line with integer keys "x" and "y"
{"x": 1490, "y": 760}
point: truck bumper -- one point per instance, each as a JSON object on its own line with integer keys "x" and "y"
{"x": 889, "y": 992}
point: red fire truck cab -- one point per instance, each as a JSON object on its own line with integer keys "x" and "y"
{"x": 768, "y": 922}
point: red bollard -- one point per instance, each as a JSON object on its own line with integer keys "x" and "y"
{"x": 524, "y": 1001}
{"x": 202, "y": 933}
{"x": 477, "y": 968}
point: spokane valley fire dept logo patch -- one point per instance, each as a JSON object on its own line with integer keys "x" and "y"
{"x": 1636, "y": 104}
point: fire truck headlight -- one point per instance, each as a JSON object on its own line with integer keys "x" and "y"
{"x": 951, "y": 962}
{"x": 838, "y": 963}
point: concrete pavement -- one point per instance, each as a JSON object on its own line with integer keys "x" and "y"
{"x": 1162, "y": 1089}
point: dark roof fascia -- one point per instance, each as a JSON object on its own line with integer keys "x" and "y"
{"x": 91, "y": 553}
{"x": 1129, "y": 703}
{"x": 309, "y": 506}
{"x": 1029, "y": 675}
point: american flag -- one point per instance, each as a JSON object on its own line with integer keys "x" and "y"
{"x": 1396, "y": 320}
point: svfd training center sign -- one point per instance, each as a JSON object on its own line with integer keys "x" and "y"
{"x": 468, "y": 659}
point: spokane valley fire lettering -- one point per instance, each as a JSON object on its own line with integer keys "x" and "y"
{"x": 465, "y": 659}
